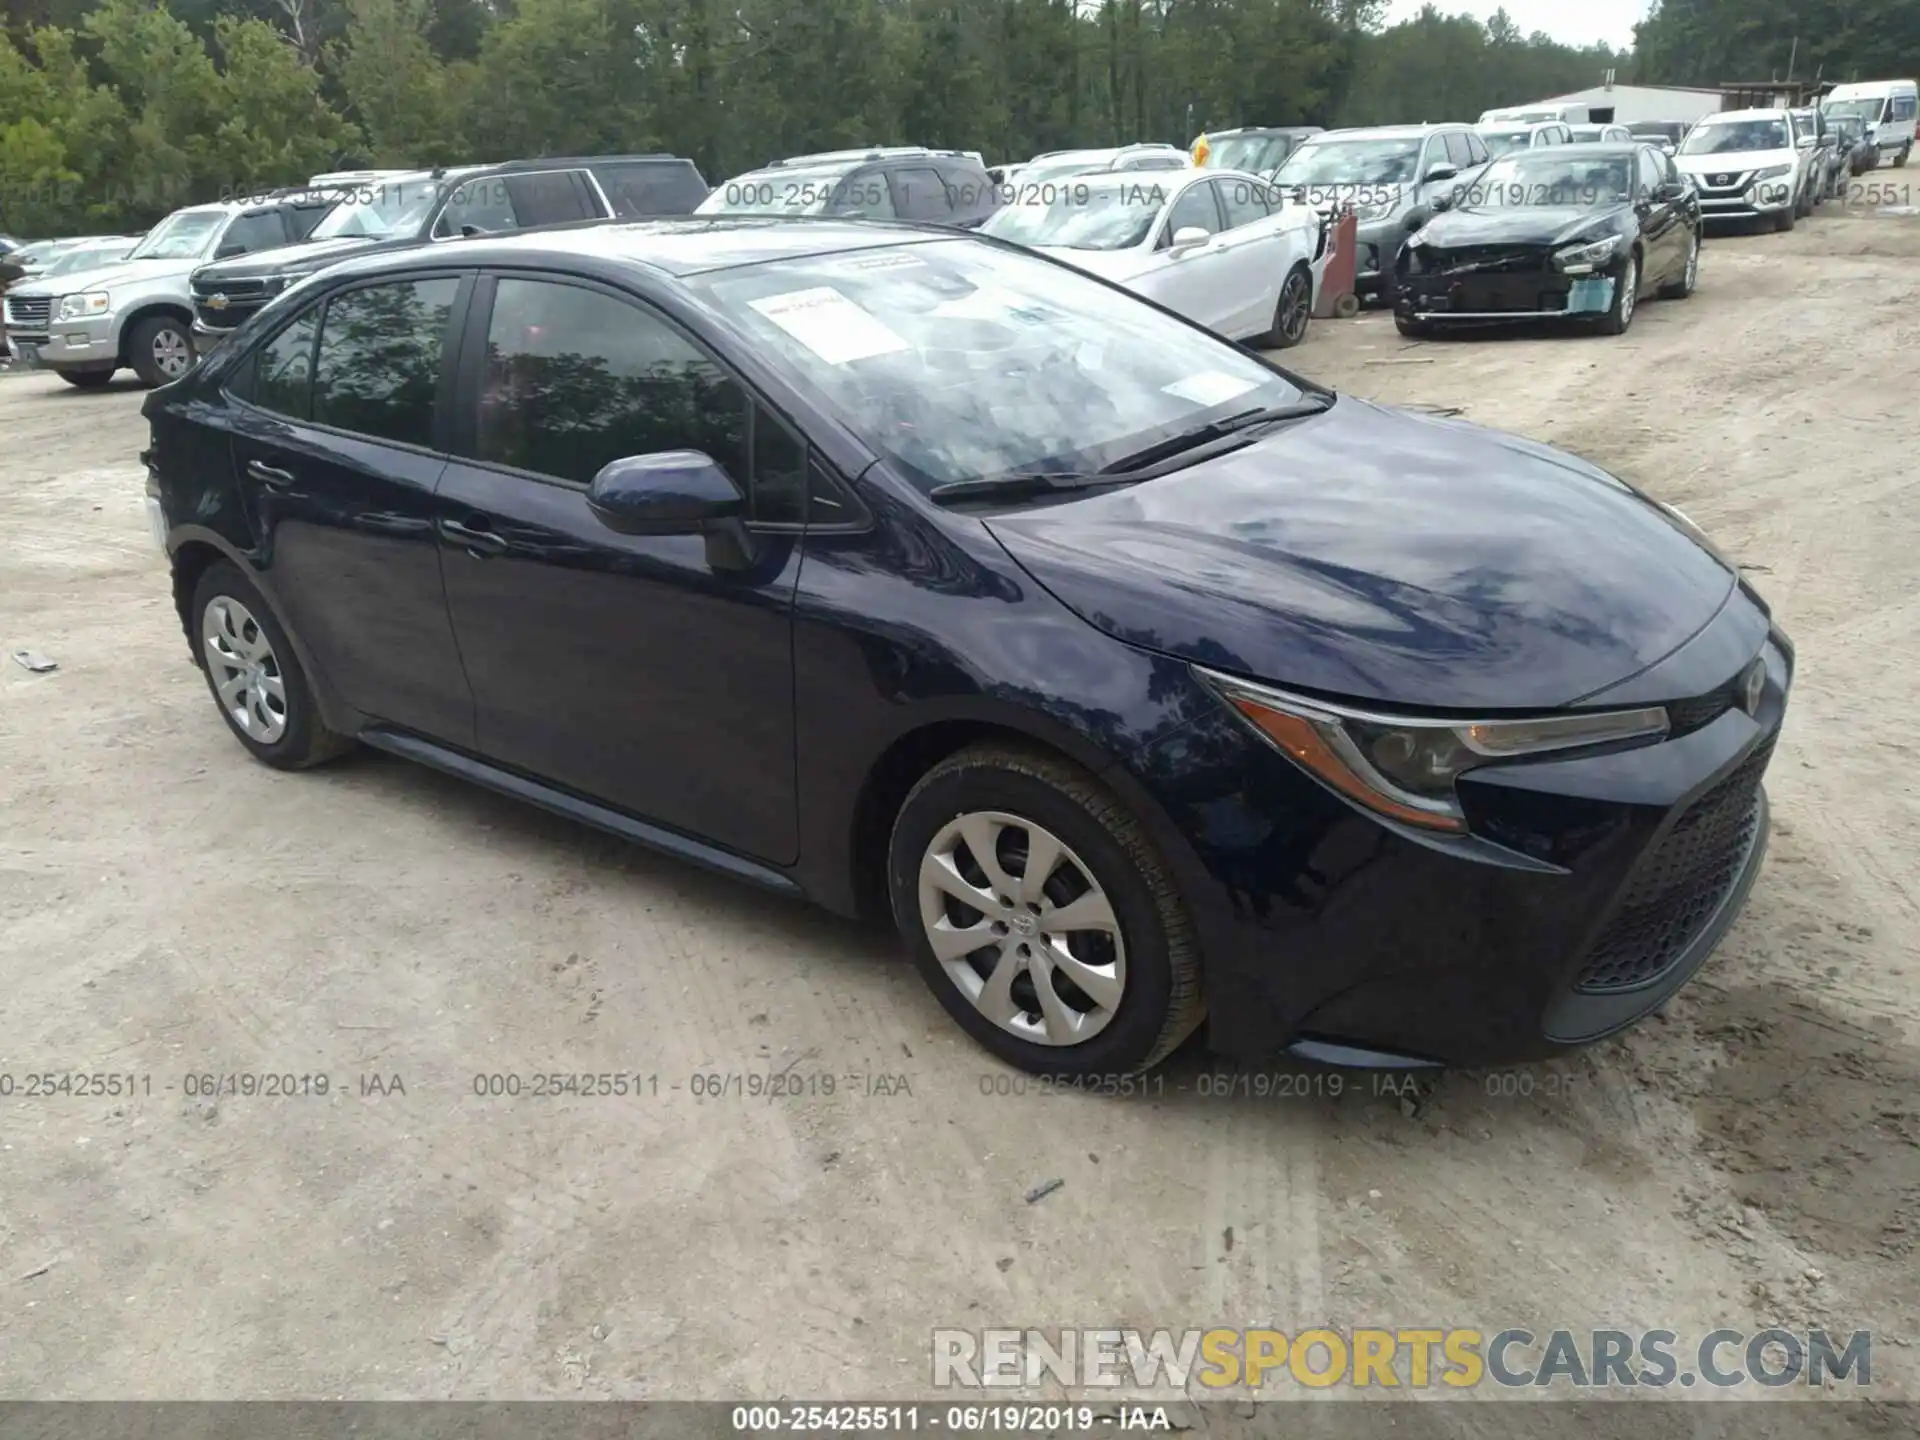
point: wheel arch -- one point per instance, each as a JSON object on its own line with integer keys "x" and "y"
{"x": 147, "y": 310}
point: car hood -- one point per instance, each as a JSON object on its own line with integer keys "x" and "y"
{"x": 1116, "y": 265}
{"x": 277, "y": 261}
{"x": 1733, "y": 162}
{"x": 105, "y": 277}
{"x": 1385, "y": 556}
{"x": 1519, "y": 225}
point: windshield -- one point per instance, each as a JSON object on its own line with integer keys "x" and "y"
{"x": 1865, "y": 111}
{"x": 379, "y": 211}
{"x": 1732, "y": 137}
{"x": 1352, "y": 162}
{"x": 183, "y": 235}
{"x": 1851, "y": 126}
{"x": 1258, "y": 153}
{"x": 1649, "y": 130}
{"x": 1077, "y": 163}
{"x": 86, "y": 257}
{"x": 797, "y": 190}
{"x": 1101, "y": 214}
{"x": 958, "y": 360}
{"x": 1505, "y": 142}
{"x": 1541, "y": 177}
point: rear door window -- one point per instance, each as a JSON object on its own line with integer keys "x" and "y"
{"x": 552, "y": 197}
{"x": 262, "y": 230}
{"x": 652, "y": 187}
{"x": 1457, "y": 150}
{"x": 377, "y": 370}
{"x": 1243, "y": 202}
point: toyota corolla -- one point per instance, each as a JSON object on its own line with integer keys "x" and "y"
{"x": 1140, "y": 682}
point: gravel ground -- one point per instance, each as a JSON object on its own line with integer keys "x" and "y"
{"x": 170, "y": 909}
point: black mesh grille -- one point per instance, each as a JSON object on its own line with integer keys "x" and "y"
{"x": 1679, "y": 884}
{"x": 1491, "y": 260}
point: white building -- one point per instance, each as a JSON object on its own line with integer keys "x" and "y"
{"x": 1630, "y": 104}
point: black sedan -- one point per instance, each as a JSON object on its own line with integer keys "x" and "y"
{"x": 1136, "y": 679}
{"x": 1573, "y": 232}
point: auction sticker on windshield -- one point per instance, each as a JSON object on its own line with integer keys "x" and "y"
{"x": 830, "y": 325}
{"x": 1210, "y": 387}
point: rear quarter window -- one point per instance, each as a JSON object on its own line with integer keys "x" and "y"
{"x": 650, "y": 188}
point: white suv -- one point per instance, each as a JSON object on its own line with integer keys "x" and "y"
{"x": 1747, "y": 165}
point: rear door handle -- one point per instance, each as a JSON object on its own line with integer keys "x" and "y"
{"x": 479, "y": 543}
{"x": 269, "y": 474}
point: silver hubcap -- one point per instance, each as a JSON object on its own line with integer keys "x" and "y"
{"x": 171, "y": 352}
{"x": 246, "y": 672}
{"x": 1629, "y": 284}
{"x": 1022, "y": 928}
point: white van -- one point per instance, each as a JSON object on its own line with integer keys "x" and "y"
{"x": 1887, "y": 106}
{"x": 1537, "y": 115}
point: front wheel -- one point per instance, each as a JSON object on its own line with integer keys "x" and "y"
{"x": 85, "y": 379}
{"x": 1293, "y": 311}
{"x": 1413, "y": 329}
{"x": 160, "y": 349}
{"x": 1042, "y": 916}
{"x": 1784, "y": 219}
{"x": 1626, "y": 294}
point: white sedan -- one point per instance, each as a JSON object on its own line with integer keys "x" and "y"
{"x": 1218, "y": 246}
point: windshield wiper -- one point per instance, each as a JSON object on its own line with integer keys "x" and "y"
{"x": 1213, "y": 430}
{"x": 1021, "y": 484}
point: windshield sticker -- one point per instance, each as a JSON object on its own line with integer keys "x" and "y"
{"x": 830, "y": 325}
{"x": 1210, "y": 387}
{"x": 885, "y": 260}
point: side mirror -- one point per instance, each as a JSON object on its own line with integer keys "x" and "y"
{"x": 1669, "y": 190}
{"x": 228, "y": 249}
{"x": 1419, "y": 215}
{"x": 675, "y": 492}
{"x": 671, "y": 492}
{"x": 1806, "y": 142}
{"x": 1442, "y": 171}
{"x": 1188, "y": 237}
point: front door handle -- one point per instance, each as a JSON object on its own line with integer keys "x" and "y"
{"x": 269, "y": 474}
{"x": 479, "y": 543}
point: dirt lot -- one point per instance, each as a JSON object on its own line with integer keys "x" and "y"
{"x": 170, "y": 909}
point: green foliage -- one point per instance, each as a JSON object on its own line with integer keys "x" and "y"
{"x": 113, "y": 112}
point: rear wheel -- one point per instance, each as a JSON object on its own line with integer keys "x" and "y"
{"x": 1041, "y": 915}
{"x": 85, "y": 379}
{"x": 1901, "y": 158}
{"x": 1413, "y": 329}
{"x": 254, "y": 675}
{"x": 1293, "y": 311}
{"x": 1682, "y": 286}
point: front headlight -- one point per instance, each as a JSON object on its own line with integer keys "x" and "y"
{"x": 1595, "y": 252}
{"x": 1404, "y": 767}
{"x": 1773, "y": 172}
{"x": 79, "y": 307}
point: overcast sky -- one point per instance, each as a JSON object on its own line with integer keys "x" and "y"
{"x": 1577, "y": 22}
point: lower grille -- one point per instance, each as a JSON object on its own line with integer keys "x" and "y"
{"x": 225, "y": 318}
{"x": 1490, "y": 260}
{"x": 30, "y": 312}
{"x": 1679, "y": 885}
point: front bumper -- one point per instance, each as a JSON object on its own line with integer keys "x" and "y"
{"x": 1590, "y": 891}
{"x": 1524, "y": 287}
{"x": 1761, "y": 200}
{"x": 89, "y": 344}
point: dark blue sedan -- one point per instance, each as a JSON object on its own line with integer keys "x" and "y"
{"x": 1139, "y": 681}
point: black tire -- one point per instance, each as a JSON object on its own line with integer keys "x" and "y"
{"x": 143, "y": 340}
{"x": 1784, "y": 220}
{"x": 1682, "y": 285}
{"x": 1292, "y": 312}
{"x": 1900, "y": 160}
{"x": 1413, "y": 329}
{"x": 1620, "y": 314}
{"x": 1161, "y": 1002}
{"x": 85, "y": 379}
{"x": 305, "y": 740}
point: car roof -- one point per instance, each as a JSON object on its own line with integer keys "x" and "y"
{"x": 1385, "y": 132}
{"x": 1528, "y": 124}
{"x": 1770, "y": 113}
{"x": 1270, "y": 130}
{"x": 677, "y": 246}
